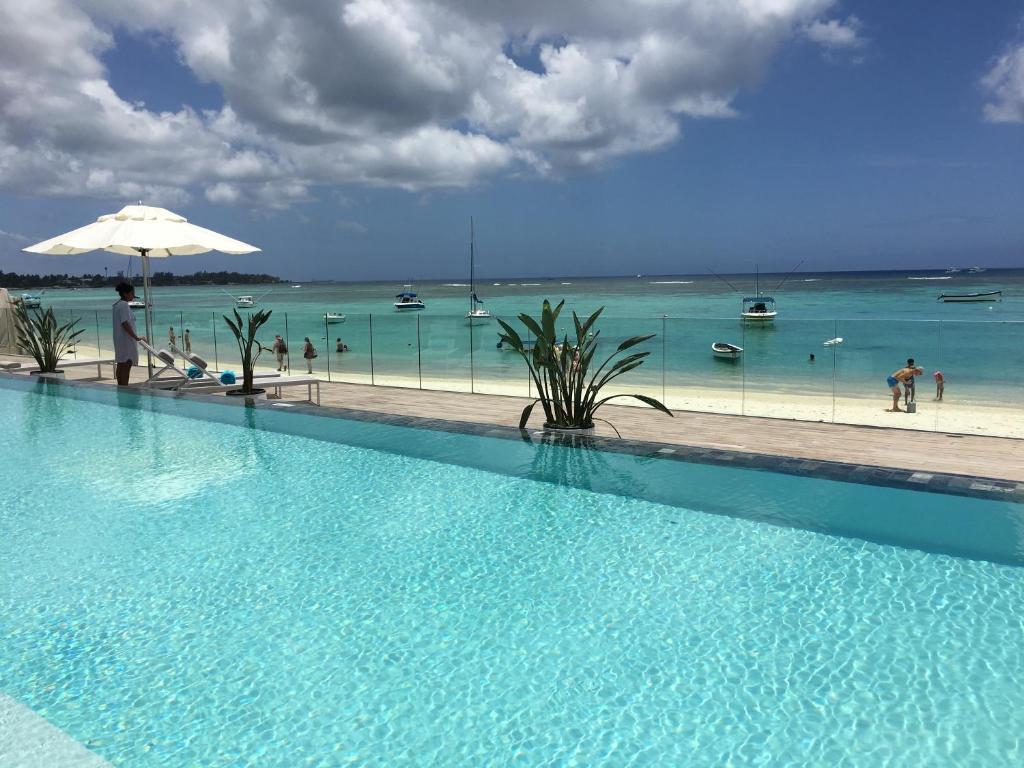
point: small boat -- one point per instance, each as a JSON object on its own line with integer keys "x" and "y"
{"x": 296, "y": 286}
{"x": 833, "y": 342}
{"x": 952, "y": 270}
{"x": 333, "y": 318}
{"x": 476, "y": 313}
{"x": 726, "y": 350}
{"x": 137, "y": 304}
{"x": 759, "y": 309}
{"x": 407, "y": 302}
{"x": 31, "y": 300}
{"x": 976, "y": 270}
{"x": 245, "y": 301}
{"x": 988, "y": 296}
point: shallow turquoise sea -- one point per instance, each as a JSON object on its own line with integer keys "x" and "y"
{"x": 884, "y": 318}
{"x": 178, "y": 592}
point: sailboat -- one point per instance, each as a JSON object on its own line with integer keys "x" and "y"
{"x": 476, "y": 314}
{"x": 758, "y": 308}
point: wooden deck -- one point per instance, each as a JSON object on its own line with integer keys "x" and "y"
{"x": 974, "y": 455}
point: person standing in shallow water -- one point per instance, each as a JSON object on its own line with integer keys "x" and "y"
{"x": 126, "y": 340}
{"x": 308, "y": 352}
{"x": 186, "y": 339}
{"x": 171, "y": 338}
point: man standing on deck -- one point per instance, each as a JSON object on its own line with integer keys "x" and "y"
{"x": 126, "y": 350}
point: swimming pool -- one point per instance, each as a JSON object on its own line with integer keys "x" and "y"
{"x": 195, "y": 584}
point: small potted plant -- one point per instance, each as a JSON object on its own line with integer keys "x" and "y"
{"x": 249, "y": 350}
{"x": 45, "y": 340}
{"x": 569, "y": 390}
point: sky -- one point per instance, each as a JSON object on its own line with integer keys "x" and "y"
{"x": 354, "y": 139}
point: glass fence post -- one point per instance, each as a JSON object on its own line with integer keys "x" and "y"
{"x": 98, "y": 352}
{"x": 743, "y": 370}
{"x": 327, "y": 346}
{"x": 216, "y": 362}
{"x": 370, "y": 318}
{"x": 663, "y": 318}
{"x": 287, "y": 344}
{"x": 835, "y": 361}
{"x": 529, "y": 378}
{"x": 472, "y": 373}
{"x": 74, "y": 349}
{"x": 419, "y": 352}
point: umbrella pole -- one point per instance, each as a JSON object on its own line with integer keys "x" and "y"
{"x": 149, "y": 312}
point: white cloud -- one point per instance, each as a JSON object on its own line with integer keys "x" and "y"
{"x": 355, "y": 227}
{"x": 1004, "y": 84}
{"x": 836, "y": 34}
{"x": 414, "y": 94}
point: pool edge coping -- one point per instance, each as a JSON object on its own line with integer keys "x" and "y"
{"x": 972, "y": 486}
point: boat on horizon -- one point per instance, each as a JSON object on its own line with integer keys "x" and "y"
{"x": 407, "y": 301}
{"x": 988, "y": 296}
{"x": 952, "y": 270}
{"x": 137, "y": 304}
{"x": 976, "y": 270}
{"x": 333, "y": 318}
{"x": 476, "y": 313}
{"x": 725, "y": 350}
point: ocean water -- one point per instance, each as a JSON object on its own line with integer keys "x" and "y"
{"x": 883, "y": 318}
{"x": 177, "y": 591}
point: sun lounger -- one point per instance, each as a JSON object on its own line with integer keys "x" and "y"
{"x": 9, "y": 365}
{"x": 68, "y": 362}
{"x": 276, "y": 383}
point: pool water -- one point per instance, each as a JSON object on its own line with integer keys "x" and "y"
{"x": 178, "y": 591}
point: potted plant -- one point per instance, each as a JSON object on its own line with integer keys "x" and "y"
{"x": 249, "y": 350}
{"x": 569, "y": 391}
{"x": 45, "y": 340}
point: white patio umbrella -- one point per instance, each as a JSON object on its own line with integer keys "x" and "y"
{"x": 150, "y": 232}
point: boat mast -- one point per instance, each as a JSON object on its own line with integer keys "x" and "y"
{"x": 472, "y": 275}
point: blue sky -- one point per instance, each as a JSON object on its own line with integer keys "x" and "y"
{"x": 853, "y": 135}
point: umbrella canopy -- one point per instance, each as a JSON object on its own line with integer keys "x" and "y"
{"x": 138, "y": 228}
{"x": 147, "y": 231}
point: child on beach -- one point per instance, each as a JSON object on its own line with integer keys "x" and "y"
{"x": 308, "y": 352}
{"x": 909, "y": 390}
{"x": 940, "y": 384}
{"x": 171, "y": 337}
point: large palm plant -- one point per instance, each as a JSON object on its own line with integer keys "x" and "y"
{"x": 568, "y": 389}
{"x": 245, "y": 337}
{"x": 41, "y": 336}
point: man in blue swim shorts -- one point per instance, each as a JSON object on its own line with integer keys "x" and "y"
{"x": 894, "y": 381}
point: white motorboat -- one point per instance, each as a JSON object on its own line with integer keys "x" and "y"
{"x": 333, "y": 318}
{"x": 407, "y": 301}
{"x": 476, "y": 313}
{"x": 296, "y": 286}
{"x": 833, "y": 342}
{"x": 137, "y": 304}
{"x": 976, "y": 270}
{"x": 952, "y": 270}
{"x": 758, "y": 309}
{"x": 726, "y": 350}
{"x": 245, "y": 301}
{"x": 31, "y": 300}
{"x": 988, "y": 296}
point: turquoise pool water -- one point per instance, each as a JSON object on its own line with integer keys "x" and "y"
{"x": 180, "y": 591}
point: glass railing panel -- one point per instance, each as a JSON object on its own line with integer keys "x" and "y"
{"x": 982, "y": 366}
{"x": 498, "y": 370}
{"x": 871, "y": 351}
{"x": 395, "y": 352}
{"x": 697, "y": 379}
{"x": 352, "y": 363}
{"x": 445, "y": 360}
{"x": 781, "y": 379}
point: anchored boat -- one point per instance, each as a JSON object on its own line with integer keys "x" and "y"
{"x": 407, "y": 301}
{"x": 725, "y": 350}
{"x": 476, "y": 313}
{"x": 31, "y": 300}
{"x": 759, "y": 309}
{"x": 986, "y": 296}
{"x": 333, "y": 318}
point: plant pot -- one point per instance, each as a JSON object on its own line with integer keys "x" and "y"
{"x": 569, "y": 430}
{"x": 256, "y": 394}
{"x": 48, "y": 374}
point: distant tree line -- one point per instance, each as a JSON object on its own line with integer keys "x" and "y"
{"x": 14, "y": 280}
